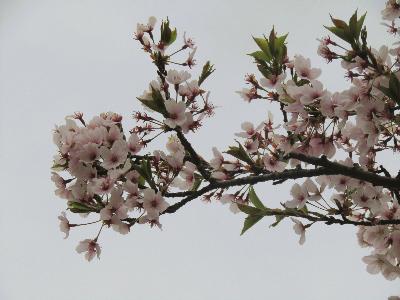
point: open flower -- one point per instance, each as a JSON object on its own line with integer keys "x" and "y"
{"x": 91, "y": 247}
{"x": 64, "y": 224}
{"x": 177, "y": 77}
{"x": 153, "y": 202}
{"x": 299, "y": 194}
{"x": 115, "y": 156}
{"x": 249, "y": 130}
{"x": 299, "y": 229}
{"x": 272, "y": 164}
{"x": 115, "y": 206}
{"x": 134, "y": 144}
{"x": 218, "y": 159}
{"x": 176, "y": 113}
{"x": 303, "y": 68}
{"x": 272, "y": 81}
{"x": 187, "y": 174}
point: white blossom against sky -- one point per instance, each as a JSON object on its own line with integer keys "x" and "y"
{"x": 57, "y": 57}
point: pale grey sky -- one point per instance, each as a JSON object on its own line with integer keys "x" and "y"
{"x": 57, "y": 57}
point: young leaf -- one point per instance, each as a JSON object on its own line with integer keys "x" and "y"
{"x": 250, "y": 210}
{"x": 339, "y": 23}
{"x": 168, "y": 36}
{"x": 196, "y": 184}
{"x": 254, "y": 199}
{"x": 77, "y": 207}
{"x": 353, "y": 25}
{"x": 150, "y": 104}
{"x": 250, "y": 221}
{"x": 278, "y": 220}
{"x": 208, "y": 68}
{"x": 360, "y": 23}
{"x": 344, "y": 35}
{"x": 240, "y": 154}
{"x": 259, "y": 55}
{"x": 394, "y": 86}
{"x": 263, "y": 44}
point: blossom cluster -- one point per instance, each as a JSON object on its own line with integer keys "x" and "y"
{"x": 104, "y": 176}
{"x": 360, "y": 123}
{"x": 99, "y": 169}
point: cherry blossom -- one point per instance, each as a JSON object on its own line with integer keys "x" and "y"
{"x": 153, "y": 202}
{"x": 272, "y": 164}
{"x": 176, "y": 112}
{"x": 177, "y": 77}
{"x": 303, "y": 68}
{"x": 299, "y": 229}
{"x": 91, "y": 247}
{"x": 64, "y": 224}
{"x": 115, "y": 156}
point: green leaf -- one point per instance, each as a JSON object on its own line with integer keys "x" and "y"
{"x": 208, "y": 69}
{"x": 250, "y": 210}
{"x": 344, "y": 35}
{"x": 394, "y": 86}
{"x": 265, "y": 70}
{"x": 259, "y": 55}
{"x": 360, "y": 23}
{"x": 271, "y": 42}
{"x": 249, "y": 222}
{"x": 254, "y": 199}
{"x": 353, "y": 25}
{"x": 141, "y": 181}
{"x": 77, "y": 207}
{"x": 263, "y": 45}
{"x": 58, "y": 167}
{"x": 339, "y": 23}
{"x": 196, "y": 184}
{"x": 145, "y": 171}
{"x": 150, "y": 104}
{"x": 278, "y": 219}
{"x": 157, "y": 103}
{"x": 173, "y": 36}
{"x": 393, "y": 91}
{"x": 240, "y": 154}
{"x": 168, "y": 36}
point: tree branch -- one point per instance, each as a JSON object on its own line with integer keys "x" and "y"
{"x": 195, "y": 158}
{"x": 353, "y": 172}
{"x": 252, "y": 179}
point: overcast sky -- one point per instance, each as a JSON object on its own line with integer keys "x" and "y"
{"x": 57, "y": 57}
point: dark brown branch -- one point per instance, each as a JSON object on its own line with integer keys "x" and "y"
{"x": 253, "y": 179}
{"x": 326, "y": 219}
{"x": 195, "y": 158}
{"x": 353, "y": 172}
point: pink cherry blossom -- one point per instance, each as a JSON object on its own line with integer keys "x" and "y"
{"x": 299, "y": 229}
{"x": 299, "y": 194}
{"x": 303, "y": 68}
{"x": 218, "y": 159}
{"x": 273, "y": 80}
{"x": 188, "y": 178}
{"x": 115, "y": 156}
{"x": 176, "y": 113}
{"x": 134, "y": 144}
{"x": 64, "y": 224}
{"x": 272, "y": 164}
{"x": 153, "y": 202}
{"x": 177, "y": 77}
{"x": 91, "y": 247}
{"x": 249, "y": 130}
{"x": 116, "y": 206}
